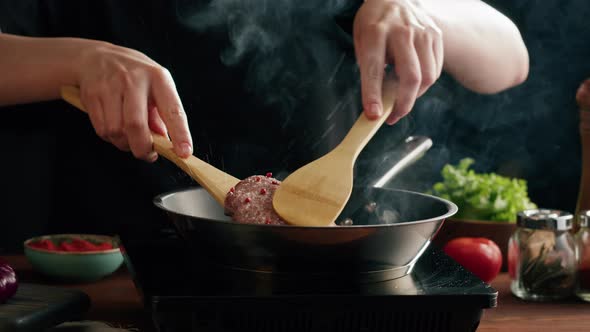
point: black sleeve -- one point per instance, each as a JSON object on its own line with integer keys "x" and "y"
{"x": 24, "y": 17}
{"x": 345, "y": 18}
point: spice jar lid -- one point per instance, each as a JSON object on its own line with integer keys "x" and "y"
{"x": 545, "y": 219}
{"x": 584, "y": 218}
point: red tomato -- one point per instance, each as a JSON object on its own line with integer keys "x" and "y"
{"x": 479, "y": 255}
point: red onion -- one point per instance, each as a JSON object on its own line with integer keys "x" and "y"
{"x": 8, "y": 282}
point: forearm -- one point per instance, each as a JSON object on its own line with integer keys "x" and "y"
{"x": 483, "y": 49}
{"x": 33, "y": 69}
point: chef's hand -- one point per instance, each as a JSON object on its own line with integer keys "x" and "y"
{"x": 402, "y": 34}
{"x": 126, "y": 94}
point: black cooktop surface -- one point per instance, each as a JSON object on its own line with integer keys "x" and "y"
{"x": 438, "y": 295}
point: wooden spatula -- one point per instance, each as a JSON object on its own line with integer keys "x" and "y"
{"x": 316, "y": 193}
{"x": 215, "y": 181}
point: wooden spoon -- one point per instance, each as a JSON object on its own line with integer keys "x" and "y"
{"x": 316, "y": 193}
{"x": 215, "y": 181}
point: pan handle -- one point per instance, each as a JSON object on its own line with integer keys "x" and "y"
{"x": 413, "y": 148}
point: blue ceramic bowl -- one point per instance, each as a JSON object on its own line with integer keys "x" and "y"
{"x": 84, "y": 266}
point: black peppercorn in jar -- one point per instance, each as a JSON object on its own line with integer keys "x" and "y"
{"x": 542, "y": 251}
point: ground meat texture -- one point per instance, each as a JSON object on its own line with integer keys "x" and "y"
{"x": 250, "y": 201}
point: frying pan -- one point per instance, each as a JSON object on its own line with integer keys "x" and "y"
{"x": 390, "y": 229}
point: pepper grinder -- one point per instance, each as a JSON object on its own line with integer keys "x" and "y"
{"x": 583, "y": 100}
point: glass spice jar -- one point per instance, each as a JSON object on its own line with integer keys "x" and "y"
{"x": 582, "y": 240}
{"x": 542, "y": 254}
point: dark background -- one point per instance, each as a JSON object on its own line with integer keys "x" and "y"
{"x": 57, "y": 176}
{"x": 530, "y": 131}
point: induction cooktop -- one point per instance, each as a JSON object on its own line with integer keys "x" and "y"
{"x": 185, "y": 293}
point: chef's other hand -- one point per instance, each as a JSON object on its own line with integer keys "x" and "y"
{"x": 126, "y": 94}
{"x": 402, "y": 34}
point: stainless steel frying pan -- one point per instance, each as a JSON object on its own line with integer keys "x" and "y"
{"x": 381, "y": 235}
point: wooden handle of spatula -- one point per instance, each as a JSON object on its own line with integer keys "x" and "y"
{"x": 162, "y": 145}
{"x": 364, "y": 129}
{"x": 216, "y": 182}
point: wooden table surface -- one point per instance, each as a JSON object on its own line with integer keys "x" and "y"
{"x": 115, "y": 300}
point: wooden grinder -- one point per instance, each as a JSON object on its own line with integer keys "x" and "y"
{"x": 583, "y": 100}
